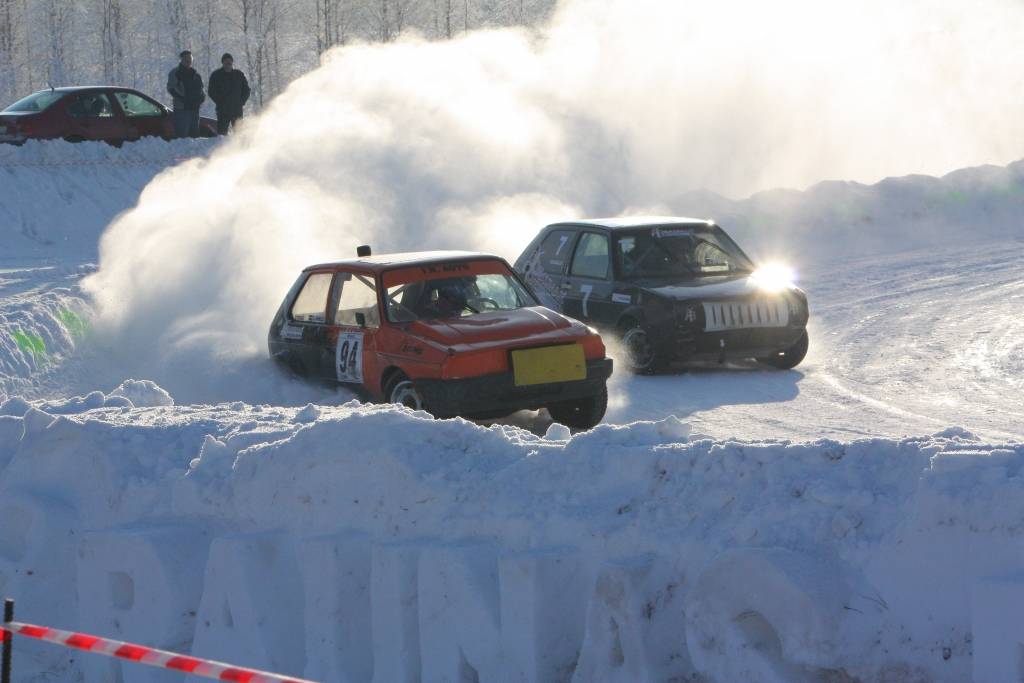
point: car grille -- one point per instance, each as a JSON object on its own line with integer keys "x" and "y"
{"x": 738, "y": 315}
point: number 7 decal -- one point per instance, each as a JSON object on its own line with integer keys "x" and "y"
{"x": 586, "y": 290}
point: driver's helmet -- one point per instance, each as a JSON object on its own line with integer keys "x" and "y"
{"x": 451, "y": 298}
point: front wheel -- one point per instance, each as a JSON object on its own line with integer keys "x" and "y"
{"x": 581, "y": 413}
{"x": 788, "y": 359}
{"x": 403, "y": 391}
{"x": 641, "y": 356}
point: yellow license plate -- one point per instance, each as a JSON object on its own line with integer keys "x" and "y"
{"x": 549, "y": 364}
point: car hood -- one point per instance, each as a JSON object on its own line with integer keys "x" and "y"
{"x": 536, "y": 322}
{"x": 710, "y": 288}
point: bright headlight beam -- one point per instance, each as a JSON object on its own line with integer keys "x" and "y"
{"x": 774, "y": 277}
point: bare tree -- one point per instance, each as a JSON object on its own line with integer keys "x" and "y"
{"x": 332, "y": 24}
{"x": 58, "y": 19}
{"x": 449, "y": 15}
{"x": 383, "y": 17}
{"x": 177, "y": 19}
{"x": 207, "y": 14}
{"x": 8, "y": 76}
{"x": 390, "y": 17}
{"x": 112, "y": 39}
{"x": 259, "y": 21}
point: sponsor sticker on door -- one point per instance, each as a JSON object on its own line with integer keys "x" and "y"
{"x": 349, "y": 357}
{"x": 293, "y": 332}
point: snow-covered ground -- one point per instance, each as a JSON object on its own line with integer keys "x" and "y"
{"x": 363, "y": 539}
{"x": 858, "y": 518}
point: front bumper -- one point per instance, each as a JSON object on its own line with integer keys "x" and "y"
{"x": 496, "y": 395}
{"x": 680, "y": 344}
{"x": 755, "y": 342}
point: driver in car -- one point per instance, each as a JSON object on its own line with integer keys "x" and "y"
{"x": 452, "y": 299}
{"x": 446, "y": 299}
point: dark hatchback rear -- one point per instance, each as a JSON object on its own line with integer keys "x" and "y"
{"x": 674, "y": 289}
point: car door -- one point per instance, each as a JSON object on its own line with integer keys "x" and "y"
{"x": 306, "y": 334}
{"x": 143, "y": 116}
{"x": 355, "y": 323}
{"x": 92, "y": 116}
{"x": 588, "y": 286}
{"x": 544, "y": 269}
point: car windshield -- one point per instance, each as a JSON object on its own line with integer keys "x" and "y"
{"x": 35, "y": 102}
{"x": 679, "y": 252}
{"x": 463, "y": 296}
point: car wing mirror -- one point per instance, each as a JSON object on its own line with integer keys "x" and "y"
{"x": 361, "y": 319}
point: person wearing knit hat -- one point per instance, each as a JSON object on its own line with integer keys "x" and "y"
{"x": 229, "y": 90}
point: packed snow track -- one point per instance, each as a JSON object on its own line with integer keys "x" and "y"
{"x": 900, "y": 345}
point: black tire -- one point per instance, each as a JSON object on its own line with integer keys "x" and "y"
{"x": 641, "y": 357}
{"x": 74, "y": 139}
{"x": 787, "y": 359}
{"x": 582, "y": 413}
{"x": 402, "y": 390}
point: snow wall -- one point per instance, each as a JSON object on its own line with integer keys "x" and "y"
{"x": 370, "y": 543}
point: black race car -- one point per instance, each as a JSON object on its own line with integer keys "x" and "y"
{"x": 675, "y": 289}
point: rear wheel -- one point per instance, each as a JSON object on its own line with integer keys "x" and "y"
{"x": 788, "y": 359}
{"x": 581, "y": 413}
{"x": 640, "y": 353}
{"x": 403, "y": 391}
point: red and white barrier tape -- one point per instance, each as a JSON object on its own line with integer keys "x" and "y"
{"x": 147, "y": 655}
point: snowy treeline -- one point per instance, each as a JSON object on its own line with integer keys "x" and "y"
{"x": 136, "y": 42}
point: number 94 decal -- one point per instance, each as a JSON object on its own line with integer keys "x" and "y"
{"x": 349, "y": 357}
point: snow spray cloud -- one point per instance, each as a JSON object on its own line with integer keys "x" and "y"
{"x": 616, "y": 106}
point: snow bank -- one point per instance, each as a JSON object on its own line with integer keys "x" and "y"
{"x": 368, "y": 542}
{"x": 42, "y": 317}
{"x": 58, "y": 197}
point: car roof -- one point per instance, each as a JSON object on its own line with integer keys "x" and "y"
{"x": 381, "y": 262}
{"x": 87, "y": 88}
{"x": 628, "y": 222}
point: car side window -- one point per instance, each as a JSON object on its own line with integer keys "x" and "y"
{"x": 311, "y": 303}
{"x": 356, "y": 294}
{"x": 91, "y": 105}
{"x": 135, "y": 106}
{"x": 554, "y": 251}
{"x": 591, "y": 257}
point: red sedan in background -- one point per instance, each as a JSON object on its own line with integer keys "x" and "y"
{"x": 108, "y": 113}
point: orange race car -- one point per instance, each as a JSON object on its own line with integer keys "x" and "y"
{"x": 453, "y": 333}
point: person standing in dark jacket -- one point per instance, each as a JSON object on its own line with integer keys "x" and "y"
{"x": 185, "y": 86}
{"x": 229, "y": 90}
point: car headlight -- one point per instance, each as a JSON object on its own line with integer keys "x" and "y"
{"x": 774, "y": 277}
